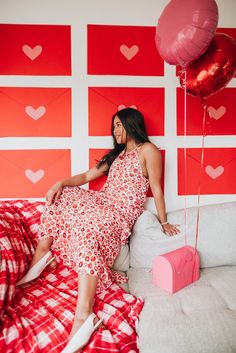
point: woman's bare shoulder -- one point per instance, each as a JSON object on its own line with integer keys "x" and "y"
{"x": 149, "y": 148}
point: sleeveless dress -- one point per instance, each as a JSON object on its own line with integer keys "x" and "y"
{"x": 88, "y": 227}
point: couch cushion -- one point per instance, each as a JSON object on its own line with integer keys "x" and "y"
{"x": 200, "y": 318}
{"x": 122, "y": 261}
{"x": 216, "y": 242}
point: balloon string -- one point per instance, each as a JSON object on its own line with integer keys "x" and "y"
{"x": 203, "y": 102}
{"x": 185, "y": 161}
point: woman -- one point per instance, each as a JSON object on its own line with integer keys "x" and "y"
{"x": 88, "y": 227}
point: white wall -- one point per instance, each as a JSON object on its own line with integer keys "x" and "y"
{"x": 79, "y": 13}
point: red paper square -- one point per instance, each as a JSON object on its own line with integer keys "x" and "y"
{"x": 123, "y": 50}
{"x": 104, "y": 102}
{"x": 30, "y": 173}
{"x": 96, "y": 154}
{"x": 163, "y": 154}
{"x": 220, "y": 117}
{"x": 35, "y": 49}
{"x": 35, "y": 111}
{"x": 217, "y": 174}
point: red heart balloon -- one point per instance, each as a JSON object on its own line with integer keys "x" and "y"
{"x": 212, "y": 71}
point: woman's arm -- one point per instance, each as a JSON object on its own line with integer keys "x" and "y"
{"x": 55, "y": 191}
{"x": 153, "y": 160}
{"x": 85, "y": 177}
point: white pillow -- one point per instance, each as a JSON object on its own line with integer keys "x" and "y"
{"x": 216, "y": 240}
{"x": 148, "y": 240}
{"x": 122, "y": 261}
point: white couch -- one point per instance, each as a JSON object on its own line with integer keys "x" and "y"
{"x": 200, "y": 318}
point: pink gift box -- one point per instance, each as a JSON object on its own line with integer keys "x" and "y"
{"x": 176, "y": 269}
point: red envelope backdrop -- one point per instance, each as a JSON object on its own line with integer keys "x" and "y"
{"x": 95, "y": 154}
{"x": 35, "y": 49}
{"x": 123, "y": 50}
{"x": 104, "y": 102}
{"x": 35, "y": 112}
{"x": 30, "y": 173}
{"x": 220, "y": 119}
{"x": 218, "y": 172}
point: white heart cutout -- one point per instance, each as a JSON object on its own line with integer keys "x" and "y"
{"x": 216, "y": 113}
{"x": 34, "y": 177}
{"x": 214, "y": 172}
{"x": 129, "y": 53}
{"x": 32, "y": 53}
{"x": 122, "y": 106}
{"x": 35, "y": 113}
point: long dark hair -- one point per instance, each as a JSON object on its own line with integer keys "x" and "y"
{"x": 134, "y": 125}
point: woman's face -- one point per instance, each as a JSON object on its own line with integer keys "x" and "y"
{"x": 119, "y": 131}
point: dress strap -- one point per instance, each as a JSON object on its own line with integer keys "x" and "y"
{"x": 134, "y": 149}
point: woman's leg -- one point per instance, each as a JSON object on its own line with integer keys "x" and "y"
{"x": 86, "y": 293}
{"x": 42, "y": 248}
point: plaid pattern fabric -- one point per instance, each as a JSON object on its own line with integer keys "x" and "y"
{"x": 38, "y": 317}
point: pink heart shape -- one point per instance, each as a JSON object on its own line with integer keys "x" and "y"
{"x": 122, "y": 106}
{"x": 216, "y": 113}
{"x": 32, "y": 53}
{"x": 129, "y": 53}
{"x": 34, "y": 176}
{"x": 35, "y": 113}
{"x": 214, "y": 172}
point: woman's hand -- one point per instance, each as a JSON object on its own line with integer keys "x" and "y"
{"x": 170, "y": 229}
{"x": 54, "y": 193}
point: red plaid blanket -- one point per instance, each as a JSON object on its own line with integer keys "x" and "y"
{"x": 39, "y": 317}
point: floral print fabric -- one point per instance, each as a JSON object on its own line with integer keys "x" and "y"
{"x": 88, "y": 227}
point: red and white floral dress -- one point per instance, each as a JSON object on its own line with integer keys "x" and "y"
{"x": 88, "y": 227}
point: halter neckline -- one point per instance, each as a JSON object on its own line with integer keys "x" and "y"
{"x": 132, "y": 149}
